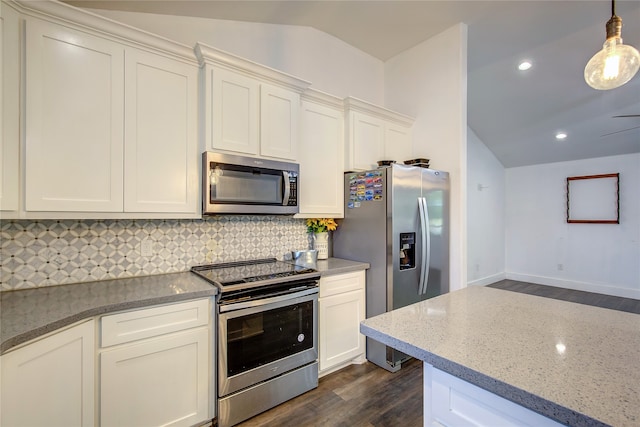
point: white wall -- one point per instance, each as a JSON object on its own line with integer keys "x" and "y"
{"x": 603, "y": 258}
{"x": 428, "y": 82}
{"x": 330, "y": 64}
{"x": 485, "y": 214}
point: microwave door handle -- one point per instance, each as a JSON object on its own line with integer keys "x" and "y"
{"x": 287, "y": 188}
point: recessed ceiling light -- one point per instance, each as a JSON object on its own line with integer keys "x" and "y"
{"x": 524, "y": 65}
{"x": 561, "y": 136}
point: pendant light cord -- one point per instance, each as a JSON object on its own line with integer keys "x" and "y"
{"x": 613, "y": 7}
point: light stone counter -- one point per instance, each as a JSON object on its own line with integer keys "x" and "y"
{"x": 332, "y": 266}
{"x": 576, "y": 364}
{"x": 30, "y": 313}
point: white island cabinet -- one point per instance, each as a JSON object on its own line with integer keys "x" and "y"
{"x": 450, "y": 402}
{"x": 50, "y": 381}
{"x": 248, "y": 108}
{"x": 341, "y": 309}
{"x": 155, "y": 366}
{"x": 110, "y": 123}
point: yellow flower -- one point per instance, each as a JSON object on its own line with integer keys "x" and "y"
{"x": 320, "y": 225}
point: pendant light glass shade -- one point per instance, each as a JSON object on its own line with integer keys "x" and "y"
{"x": 616, "y": 63}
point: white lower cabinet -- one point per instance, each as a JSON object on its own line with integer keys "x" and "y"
{"x": 153, "y": 377}
{"x": 450, "y": 401}
{"x": 160, "y": 381}
{"x": 341, "y": 309}
{"x": 50, "y": 382}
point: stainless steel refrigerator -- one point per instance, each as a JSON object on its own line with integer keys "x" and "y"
{"x": 396, "y": 219}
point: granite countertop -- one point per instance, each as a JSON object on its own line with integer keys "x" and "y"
{"x": 331, "y": 266}
{"x": 28, "y": 314}
{"x": 574, "y": 363}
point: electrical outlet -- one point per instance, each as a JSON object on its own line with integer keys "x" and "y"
{"x": 146, "y": 248}
{"x": 560, "y": 267}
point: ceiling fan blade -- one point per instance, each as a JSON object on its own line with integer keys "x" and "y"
{"x": 626, "y": 115}
{"x": 620, "y": 131}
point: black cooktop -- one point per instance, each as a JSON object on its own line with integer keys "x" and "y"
{"x": 254, "y": 273}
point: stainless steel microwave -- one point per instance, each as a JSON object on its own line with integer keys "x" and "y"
{"x": 245, "y": 185}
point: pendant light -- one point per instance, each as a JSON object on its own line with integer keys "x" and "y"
{"x": 616, "y": 63}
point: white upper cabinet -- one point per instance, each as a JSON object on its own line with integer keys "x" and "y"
{"x": 110, "y": 121}
{"x": 74, "y": 120}
{"x": 248, "y": 108}
{"x": 321, "y": 156}
{"x": 279, "y": 118}
{"x": 397, "y": 142}
{"x": 161, "y": 134}
{"x": 366, "y": 141}
{"x": 9, "y": 110}
{"x": 374, "y": 133}
{"x": 235, "y": 111}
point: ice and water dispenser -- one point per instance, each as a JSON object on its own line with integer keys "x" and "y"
{"x": 407, "y": 250}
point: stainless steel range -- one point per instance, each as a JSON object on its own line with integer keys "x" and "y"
{"x": 267, "y": 347}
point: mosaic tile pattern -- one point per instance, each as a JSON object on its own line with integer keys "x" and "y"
{"x": 50, "y": 252}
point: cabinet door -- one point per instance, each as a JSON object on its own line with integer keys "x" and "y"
{"x": 158, "y": 381}
{"x": 161, "y": 147}
{"x": 74, "y": 120}
{"x": 9, "y": 109}
{"x": 51, "y": 382}
{"x": 339, "y": 330}
{"x": 279, "y": 117}
{"x": 234, "y": 120}
{"x": 450, "y": 401}
{"x": 397, "y": 143}
{"x": 367, "y": 141}
{"x": 321, "y": 157}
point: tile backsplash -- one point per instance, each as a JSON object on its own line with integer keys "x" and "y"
{"x": 55, "y": 252}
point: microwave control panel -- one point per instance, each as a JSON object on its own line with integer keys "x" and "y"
{"x": 293, "y": 189}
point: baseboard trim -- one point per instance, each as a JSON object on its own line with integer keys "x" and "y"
{"x": 577, "y": 286}
{"x": 484, "y": 281}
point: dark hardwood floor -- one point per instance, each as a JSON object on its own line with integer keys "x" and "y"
{"x": 368, "y": 396}
{"x": 356, "y": 396}
{"x": 589, "y": 298}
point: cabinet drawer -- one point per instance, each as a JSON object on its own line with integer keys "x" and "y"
{"x": 151, "y": 322}
{"x": 339, "y": 283}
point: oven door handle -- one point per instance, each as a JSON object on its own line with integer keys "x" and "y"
{"x": 223, "y": 308}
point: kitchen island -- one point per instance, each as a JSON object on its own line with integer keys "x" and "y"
{"x": 574, "y": 364}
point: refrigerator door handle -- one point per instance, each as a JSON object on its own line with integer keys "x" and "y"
{"x": 424, "y": 234}
{"x": 426, "y": 246}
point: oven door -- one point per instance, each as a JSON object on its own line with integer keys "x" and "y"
{"x": 270, "y": 337}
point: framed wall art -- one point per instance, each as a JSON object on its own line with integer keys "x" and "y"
{"x": 593, "y": 199}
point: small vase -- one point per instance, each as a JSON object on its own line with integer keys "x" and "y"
{"x": 321, "y": 243}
